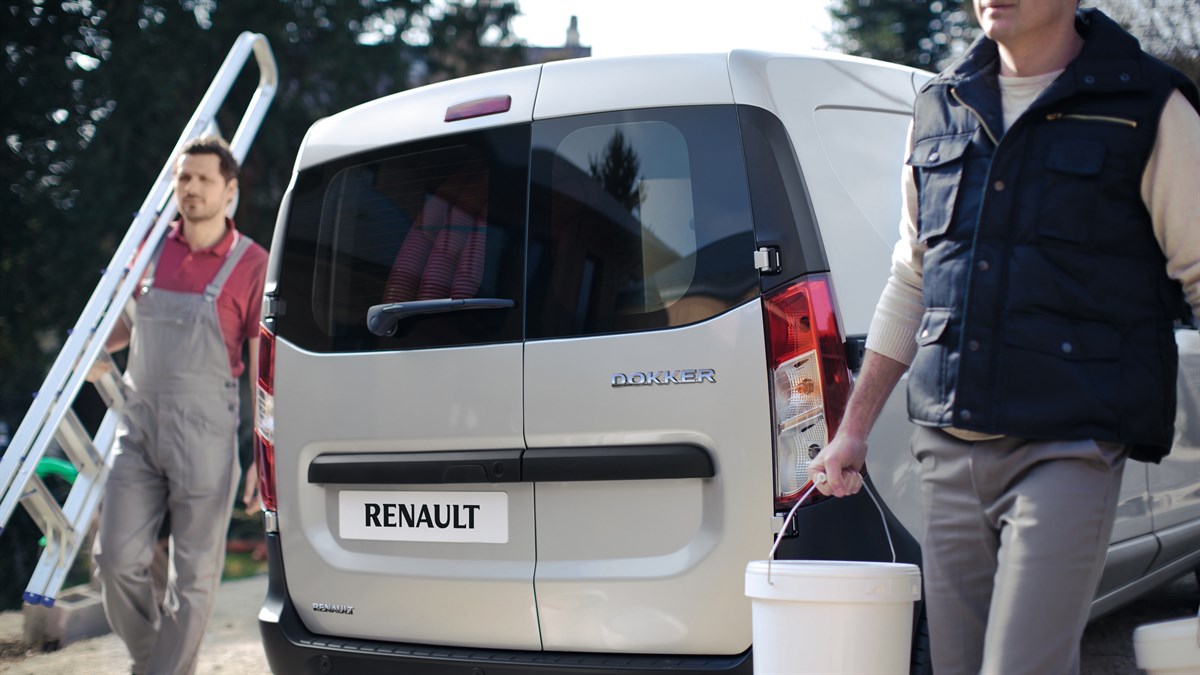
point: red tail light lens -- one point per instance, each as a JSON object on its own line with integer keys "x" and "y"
{"x": 810, "y": 379}
{"x": 264, "y": 424}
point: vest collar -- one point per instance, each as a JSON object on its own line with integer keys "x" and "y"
{"x": 1110, "y": 61}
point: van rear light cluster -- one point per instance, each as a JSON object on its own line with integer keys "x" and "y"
{"x": 810, "y": 380}
{"x": 264, "y": 418}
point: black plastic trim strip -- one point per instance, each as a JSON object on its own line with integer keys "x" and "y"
{"x": 625, "y": 462}
{"x": 417, "y": 468}
{"x": 291, "y": 648}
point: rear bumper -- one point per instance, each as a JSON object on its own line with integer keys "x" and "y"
{"x": 291, "y": 648}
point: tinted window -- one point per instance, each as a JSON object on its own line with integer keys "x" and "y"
{"x": 638, "y": 220}
{"x": 437, "y": 219}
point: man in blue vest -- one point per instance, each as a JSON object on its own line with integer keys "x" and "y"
{"x": 1050, "y": 235}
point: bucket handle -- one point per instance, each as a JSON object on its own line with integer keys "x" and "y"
{"x": 808, "y": 489}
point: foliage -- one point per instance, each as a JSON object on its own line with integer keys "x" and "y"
{"x": 96, "y": 93}
{"x": 916, "y": 33}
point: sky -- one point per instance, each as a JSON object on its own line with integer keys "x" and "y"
{"x": 624, "y": 27}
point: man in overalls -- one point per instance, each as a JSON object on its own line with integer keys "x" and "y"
{"x": 177, "y": 444}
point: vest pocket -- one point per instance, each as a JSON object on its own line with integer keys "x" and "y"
{"x": 1071, "y": 181}
{"x": 938, "y": 163}
{"x": 928, "y": 399}
{"x": 933, "y": 325}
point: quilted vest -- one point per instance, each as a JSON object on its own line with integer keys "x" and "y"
{"x": 1049, "y": 314}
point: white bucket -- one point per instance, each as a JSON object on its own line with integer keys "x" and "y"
{"x": 832, "y": 616}
{"x": 1168, "y": 647}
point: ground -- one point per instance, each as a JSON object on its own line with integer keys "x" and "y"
{"x": 232, "y": 645}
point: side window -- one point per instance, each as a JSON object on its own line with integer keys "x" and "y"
{"x": 638, "y": 220}
{"x": 434, "y": 220}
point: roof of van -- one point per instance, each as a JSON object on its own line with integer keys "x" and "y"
{"x": 580, "y": 86}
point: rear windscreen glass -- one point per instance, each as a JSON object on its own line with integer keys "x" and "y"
{"x": 440, "y": 219}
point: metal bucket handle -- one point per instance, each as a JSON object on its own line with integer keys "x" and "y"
{"x": 808, "y": 489}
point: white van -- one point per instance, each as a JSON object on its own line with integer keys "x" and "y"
{"x": 546, "y": 353}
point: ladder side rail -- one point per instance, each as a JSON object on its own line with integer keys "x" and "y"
{"x": 87, "y": 352}
{"x": 256, "y": 110}
{"x": 53, "y": 387}
{"x": 79, "y": 509}
{"x": 19, "y": 450}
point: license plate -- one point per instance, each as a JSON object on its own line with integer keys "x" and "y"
{"x": 459, "y": 517}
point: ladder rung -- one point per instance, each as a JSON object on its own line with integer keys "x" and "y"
{"x": 75, "y": 441}
{"x": 55, "y": 562}
{"x": 79, "y": 510}
{"x": 43, "y": 507}
{"x": 109, "y": 385}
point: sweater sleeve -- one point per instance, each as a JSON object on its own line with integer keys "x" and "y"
{"x": 898, "y": 314}
{"x": 1169, "y": 191}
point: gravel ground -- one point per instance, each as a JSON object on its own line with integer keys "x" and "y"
{"x": 232, "y": 646}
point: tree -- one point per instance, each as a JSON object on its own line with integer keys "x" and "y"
{"x": 455, "y": 33}
{"x": 915, "y": 33}
{"x": 96, "y": 93}
{"x": 617, "y": 172}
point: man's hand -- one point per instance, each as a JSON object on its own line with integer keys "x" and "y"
{"x": 99, "y": 369}
{"x": 841, "y": 461}
{"x": 250, "y": 495}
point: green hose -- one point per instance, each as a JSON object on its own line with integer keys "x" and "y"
{"x": 48, "y": 466}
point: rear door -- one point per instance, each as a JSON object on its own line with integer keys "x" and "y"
{"x": 647, "y": 417}
{"x": 398, "y": 445}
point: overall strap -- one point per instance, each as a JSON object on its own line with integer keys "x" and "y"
{"x": 148, "y": 277}
{"x": 213, "y": 289}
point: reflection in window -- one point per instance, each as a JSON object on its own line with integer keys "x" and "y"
{"x": 638, "y": 220}
{"x": 406, "y": 228}
{"x": 630, "y": 185}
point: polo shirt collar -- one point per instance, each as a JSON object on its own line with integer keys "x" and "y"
{"x": 219, "y": 249}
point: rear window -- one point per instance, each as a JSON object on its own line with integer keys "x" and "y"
{"x": 638, "y": 220}
{"x": 438, "y": 219}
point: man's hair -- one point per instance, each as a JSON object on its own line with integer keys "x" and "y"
{"x": 214, "y": 145}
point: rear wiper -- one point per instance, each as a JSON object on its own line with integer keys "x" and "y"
{"x": 382, "y": 320}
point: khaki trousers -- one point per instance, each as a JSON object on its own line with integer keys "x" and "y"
{"x": 1016, "y": 533}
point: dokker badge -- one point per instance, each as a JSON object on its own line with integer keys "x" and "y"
{"x": 685, "y": 376}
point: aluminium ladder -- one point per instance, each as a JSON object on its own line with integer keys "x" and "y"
{"x": 50, "y": 417}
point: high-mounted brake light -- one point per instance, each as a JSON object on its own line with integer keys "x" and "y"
{"x": 478, "y": 108}
{"x": 264, "y": 424}
{"x": 810, "y": 379}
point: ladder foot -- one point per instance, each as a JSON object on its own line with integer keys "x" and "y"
{"x": 32, "y": 598}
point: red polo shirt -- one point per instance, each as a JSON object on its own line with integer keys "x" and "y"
{"x": 240, "y": 302}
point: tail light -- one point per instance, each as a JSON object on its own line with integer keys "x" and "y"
{"x": 810, "y": 379}
{"x": 264, "y": 424}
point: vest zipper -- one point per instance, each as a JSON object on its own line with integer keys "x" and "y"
{"x": 982, "y": 122}
{"x": 1091, "y": 118}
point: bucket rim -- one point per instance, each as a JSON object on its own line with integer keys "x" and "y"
{"x": 839, "y": 568}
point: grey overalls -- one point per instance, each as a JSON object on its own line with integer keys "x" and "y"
{"x": 177, "y": 451}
